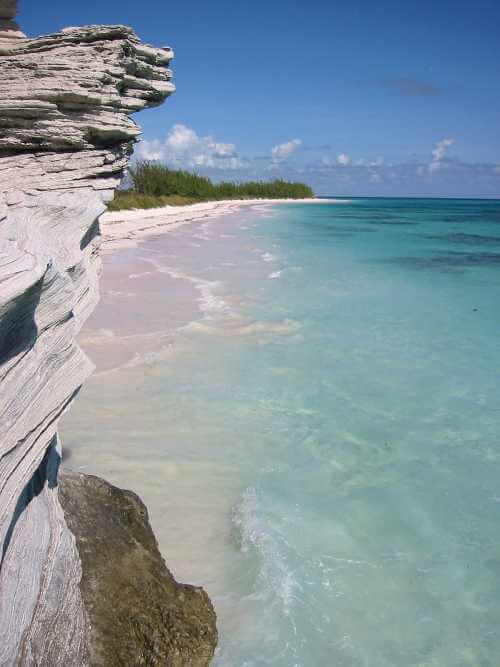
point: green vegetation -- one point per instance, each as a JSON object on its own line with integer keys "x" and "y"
{"x": 157, "y": 185}
{"x": 127, "y": 199}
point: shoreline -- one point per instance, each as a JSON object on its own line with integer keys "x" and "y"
{"x": 113, "y": 337}
{"x": 122, "y": 229}
{"x": 152, "y": 307}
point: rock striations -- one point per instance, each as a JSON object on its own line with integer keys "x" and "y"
{"x": 65, "y": 137}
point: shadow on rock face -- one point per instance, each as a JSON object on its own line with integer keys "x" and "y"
{"x": 46, "y": 473}
{"x": 18, "y": 330}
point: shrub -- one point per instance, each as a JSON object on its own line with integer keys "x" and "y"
{"x": 156, "y": 180}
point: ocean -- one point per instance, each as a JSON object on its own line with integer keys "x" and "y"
{"x": 310, "y": 409}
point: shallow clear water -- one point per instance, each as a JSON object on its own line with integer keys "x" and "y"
{"x": 318, "y": 443}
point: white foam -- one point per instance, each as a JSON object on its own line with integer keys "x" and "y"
{"x": 134, "y": 276}
{"x": 208, "y": 300}
{"x": 275, "y": 578}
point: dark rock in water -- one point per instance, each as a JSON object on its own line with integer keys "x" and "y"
{"x": 138, "y": 613}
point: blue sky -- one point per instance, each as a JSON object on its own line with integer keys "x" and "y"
{"x": 354, "y": 97}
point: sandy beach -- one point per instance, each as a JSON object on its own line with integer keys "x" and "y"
{"x": 132, "y": 324}
{"x": 122, "y": 229}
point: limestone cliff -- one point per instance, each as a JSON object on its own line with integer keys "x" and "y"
{"x": 65, "y": 137}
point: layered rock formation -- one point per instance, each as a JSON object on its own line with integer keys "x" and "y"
{"x": 65, "y": 137}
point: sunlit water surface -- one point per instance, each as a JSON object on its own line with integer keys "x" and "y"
{"x": 316, "y": 431}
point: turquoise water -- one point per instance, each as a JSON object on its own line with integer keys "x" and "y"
{"x": 330, "y": 431}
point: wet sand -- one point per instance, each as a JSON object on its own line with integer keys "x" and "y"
{"x": 146, "y": 298}
{"x": 122, "y": 229}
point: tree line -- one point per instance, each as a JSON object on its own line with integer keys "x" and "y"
{"x": 154, "y": 184}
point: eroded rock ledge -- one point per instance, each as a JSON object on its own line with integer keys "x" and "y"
{"x": 65, "y": 137}
{"x": 65, "y": 101}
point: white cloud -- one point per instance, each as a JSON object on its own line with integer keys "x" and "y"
{"x": 363, "y": 162}
{"x": 283, "y": 151}
{"x": 151, "y": 150}
{"x": 181, "y": 138}
{"x": 439, "y": 152}
{"x": 184, "y": 148}
{"x": 343, "y": 160}
{"x": 331, "y": 172}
